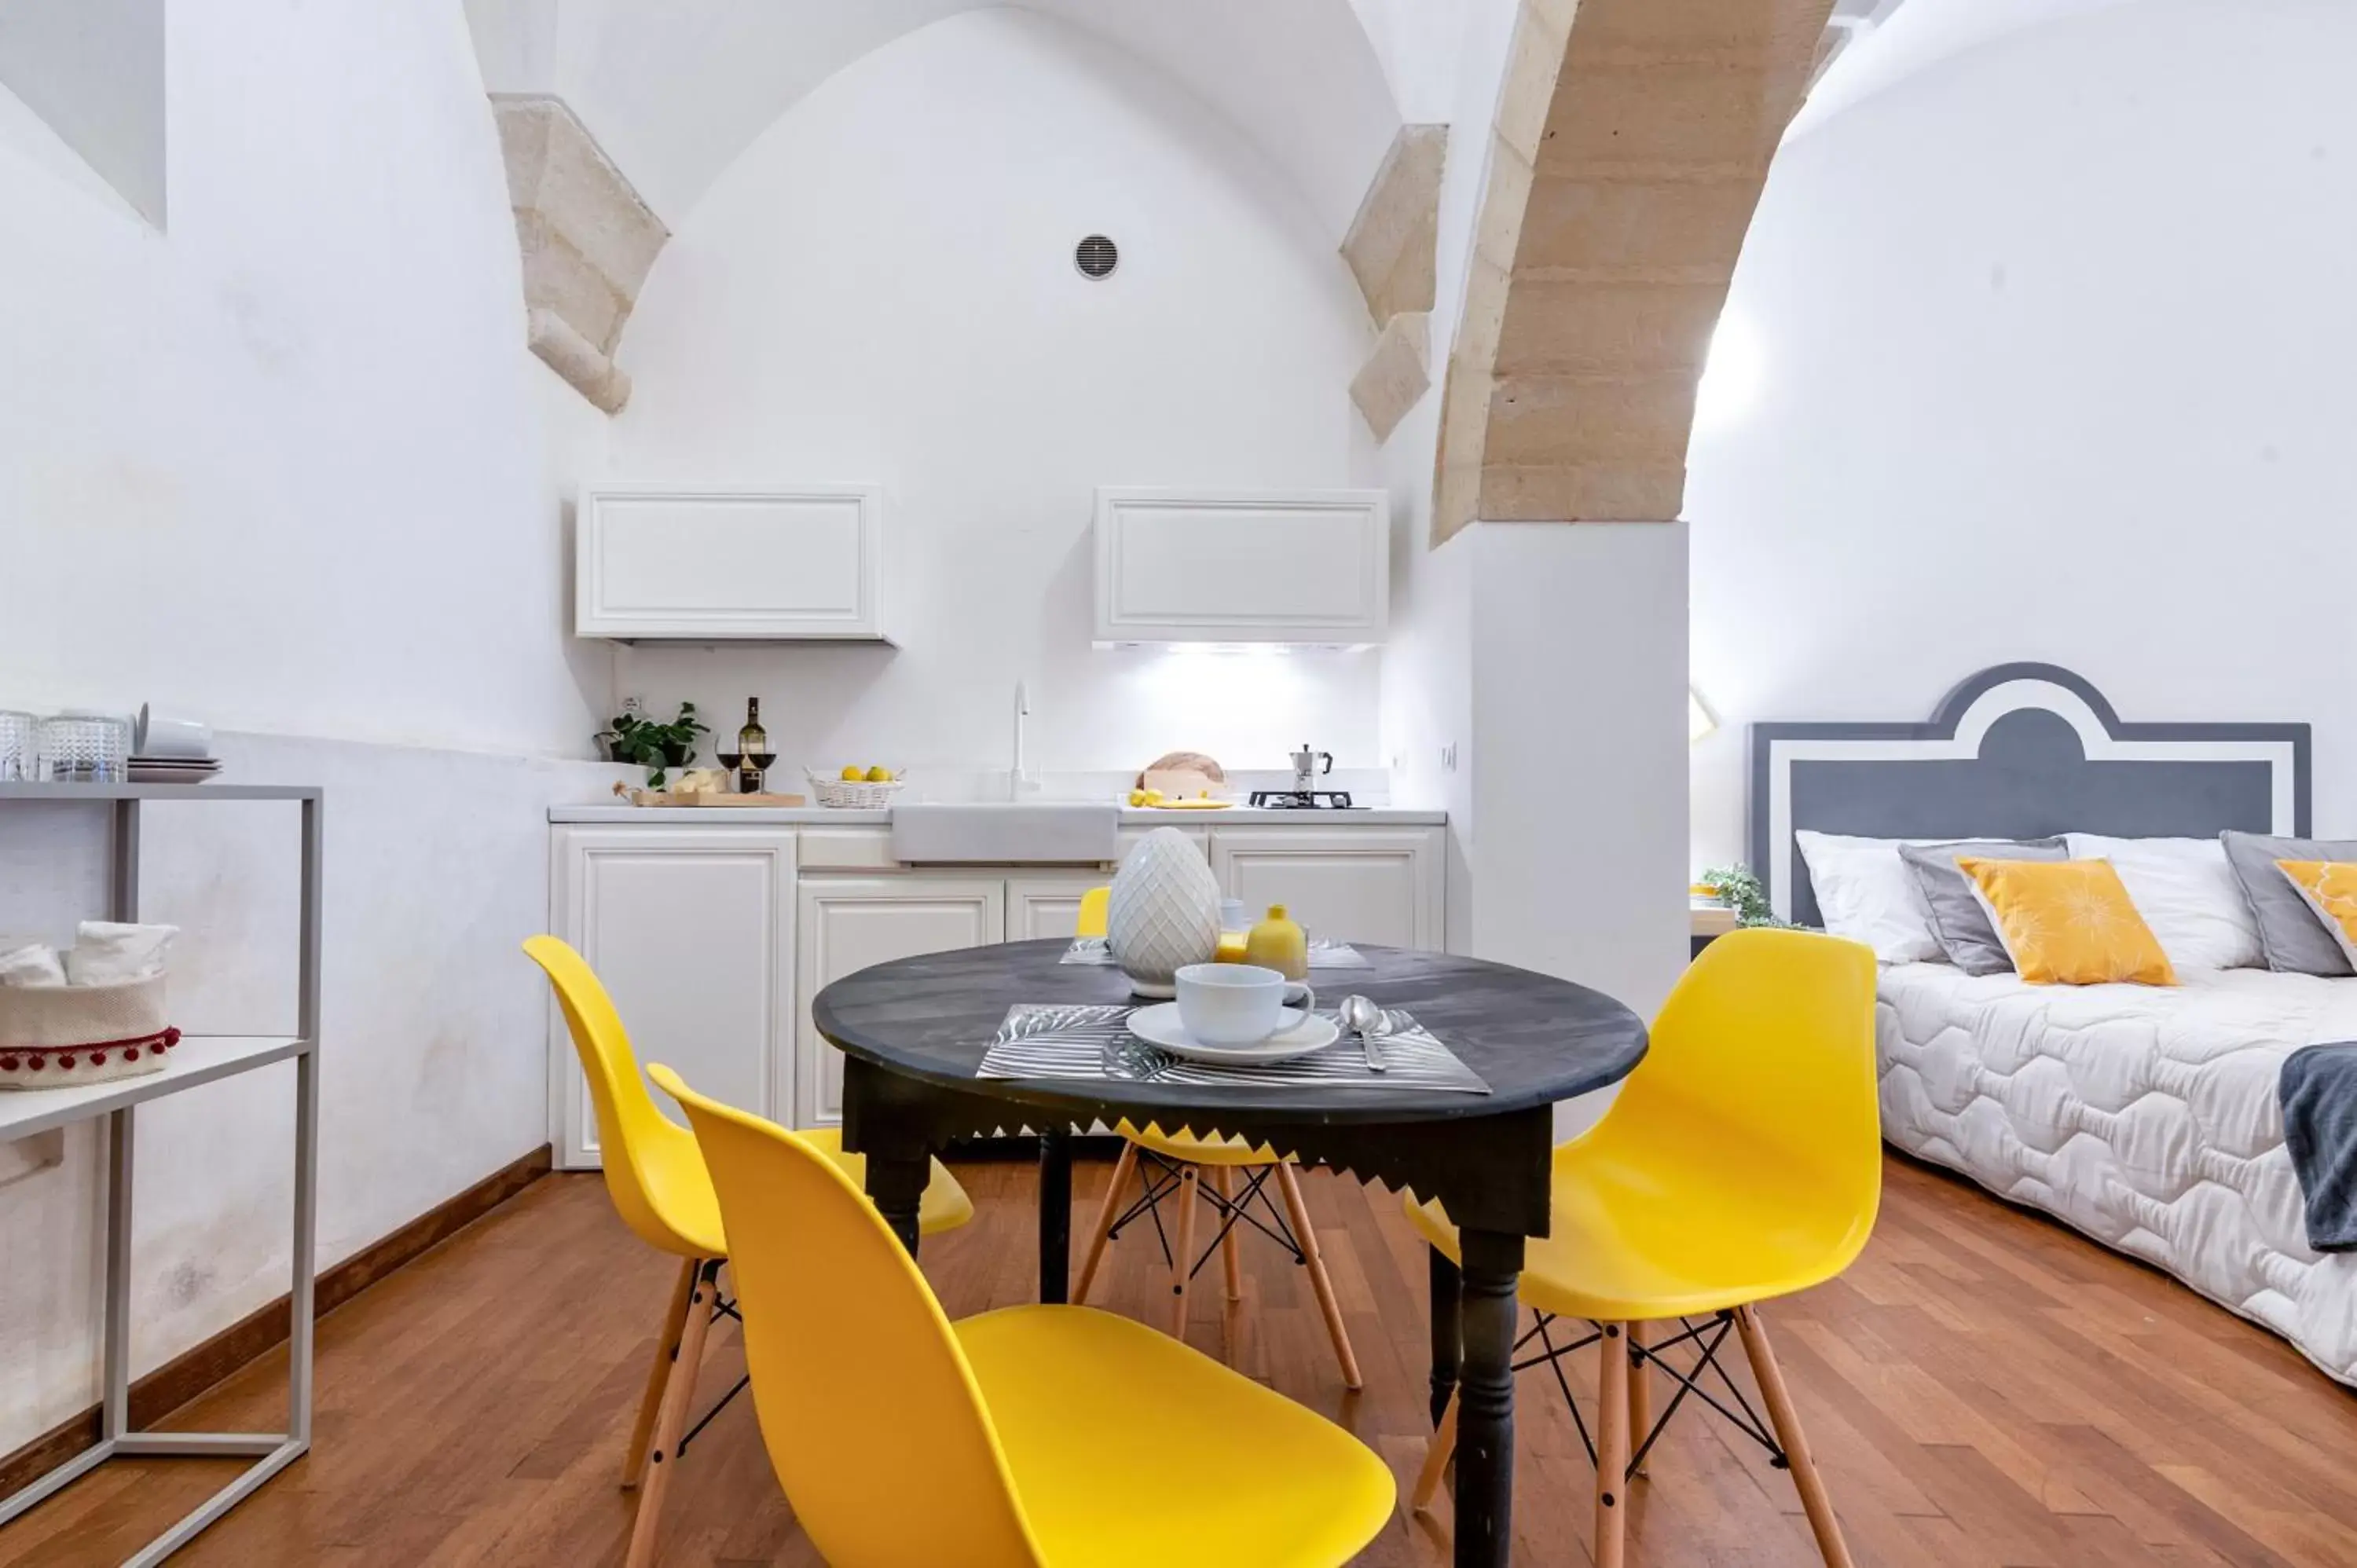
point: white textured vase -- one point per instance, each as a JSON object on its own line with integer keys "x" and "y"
{"x": 1164, "y": 911}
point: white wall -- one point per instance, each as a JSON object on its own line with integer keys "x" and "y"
{"x": 283, "y": 445}
{"x": 1427, "y": 691}
{"x": 881, "y": 290}
{"x": 2050, "y": 347}
{"x": 284, "y": 468}
{"x": 1534, "y": 682}
{"x": 1579, "y": 757}
{"x": 1419, "y": 42}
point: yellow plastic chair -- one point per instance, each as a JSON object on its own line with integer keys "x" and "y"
{"x": 1010, "y": 1438}
{"x": 1741, "y": 1162}
{"x": 1175, "y": 1163}
{"x": 656, "y": 1178}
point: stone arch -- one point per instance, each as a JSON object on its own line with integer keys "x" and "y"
{"x": 1630, "y": 142}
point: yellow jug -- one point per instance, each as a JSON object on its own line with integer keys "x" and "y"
{"x": 1279, "y": 944}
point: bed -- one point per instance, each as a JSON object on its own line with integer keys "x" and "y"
{"x": 2146, "y": 1117}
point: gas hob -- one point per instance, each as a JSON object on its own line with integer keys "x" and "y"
{"x": 1303, "y": 800}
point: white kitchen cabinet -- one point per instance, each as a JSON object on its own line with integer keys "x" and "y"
{"x": 1048, "y": 904}
{"x": 1275, "y": 567}
{"x": 713, "y": 936}
{"x": 847, "y": 923}
{"x": 691, "y": 929}
{"x": 712, "y": 564}
{"x": 1367, "y": 885}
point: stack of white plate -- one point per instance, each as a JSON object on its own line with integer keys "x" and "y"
{"x": 173, "y": 769}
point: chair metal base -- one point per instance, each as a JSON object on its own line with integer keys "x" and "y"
{"x": 1708, "y": 1336}
{"x": 1161, "y": 1177}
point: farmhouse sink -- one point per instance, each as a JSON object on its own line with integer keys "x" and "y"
{"x": 1005, "y": 832}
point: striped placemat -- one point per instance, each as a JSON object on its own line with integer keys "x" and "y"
{"x": 1061, "y": 1041}
{"x": 1324, "y": 954}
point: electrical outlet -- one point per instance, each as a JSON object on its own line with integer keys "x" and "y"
{"x": 1449, "y": 757}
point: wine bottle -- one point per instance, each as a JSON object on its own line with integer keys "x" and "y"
{"x": 751, "y": 741}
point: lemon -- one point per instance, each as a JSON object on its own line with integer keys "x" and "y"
{"x": 1138, "y": 797}
{"x": 853, "y": 774}
{"x": 1154, "y": 797}
{"x": 879, "y": 774}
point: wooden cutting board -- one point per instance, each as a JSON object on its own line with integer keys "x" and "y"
{"x": 662, "y": 797}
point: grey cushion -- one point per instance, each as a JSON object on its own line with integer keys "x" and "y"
{"x": 2293, "y": 941}
{"x": 1959, "y": 924}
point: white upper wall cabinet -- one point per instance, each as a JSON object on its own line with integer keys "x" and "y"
{"x": 1276, "y": 566}
{"x": 699, "y": 564}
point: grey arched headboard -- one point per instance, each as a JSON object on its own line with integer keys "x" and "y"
{"x": 2016, "y": 751}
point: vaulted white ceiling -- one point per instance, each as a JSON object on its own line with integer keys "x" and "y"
{"x": 674, "y": 93}
{"x": 1898, "y": 41}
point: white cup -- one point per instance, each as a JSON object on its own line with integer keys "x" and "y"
{"x": 1239, "y": 1004}
{"x": 161, "y": 736}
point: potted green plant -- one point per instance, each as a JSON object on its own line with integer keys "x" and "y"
{"x": 1738, "y": 888}
{"x": 654, "y": 746}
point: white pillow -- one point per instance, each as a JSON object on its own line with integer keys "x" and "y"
{"x": 2186, "y": 891}
{"x": 1865, "y": 893}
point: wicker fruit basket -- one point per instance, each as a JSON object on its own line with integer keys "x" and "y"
{"x": 844, "y": 793}
{"x": 55, "y": 1036}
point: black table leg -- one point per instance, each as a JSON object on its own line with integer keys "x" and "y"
{"x": 896, "y": 1185}
{"x": 1447, "y": 1336}
{"x": 1055, "y": 1217}
{"x": 1485, "y": 1410}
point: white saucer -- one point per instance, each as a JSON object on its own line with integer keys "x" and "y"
{"x": 1160, "y": 1026}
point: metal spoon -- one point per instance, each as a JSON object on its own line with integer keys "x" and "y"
{"x": 1358, "y": 1013}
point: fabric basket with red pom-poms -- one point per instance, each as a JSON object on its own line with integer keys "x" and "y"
{"x": 55, "y": 1036}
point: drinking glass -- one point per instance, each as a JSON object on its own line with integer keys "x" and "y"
{"x": 84, "y": 748}
{"x": 18, "y": 757}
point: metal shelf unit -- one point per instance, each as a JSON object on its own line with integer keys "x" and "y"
{"x": 198, "y": 1060}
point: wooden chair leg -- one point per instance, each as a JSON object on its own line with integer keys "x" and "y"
{"x": 1814, "y": 1499}
{"x": 1182, "y": 1265}
{"x": 679, "y": 1391}
{"x": 1224, "y": 1182}
{"x": 1612, "y": 1448}
{"x": 1640, "y": 1390}
{"x": 674, "y": 1323}
{"x": 1436, "y": 1460}
{"x": 1297, "y": 1214}
{"x": 1107, "y": 1211}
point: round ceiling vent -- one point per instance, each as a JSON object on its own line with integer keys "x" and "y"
{"x": 1096, "y": 256}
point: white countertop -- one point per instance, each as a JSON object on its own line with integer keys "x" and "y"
{"x": 1131, "y": 816}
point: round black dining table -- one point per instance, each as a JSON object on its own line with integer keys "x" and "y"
{"x": 914, "y": 1031}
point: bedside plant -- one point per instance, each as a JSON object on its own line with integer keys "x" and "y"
{"x": 654, "y": 746}
{"x": 1738, "y": 888}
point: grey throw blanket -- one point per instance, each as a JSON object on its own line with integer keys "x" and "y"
{"x": 2318, "y": 1088}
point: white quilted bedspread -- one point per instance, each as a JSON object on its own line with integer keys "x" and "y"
{"x": 2145, "y": 1116}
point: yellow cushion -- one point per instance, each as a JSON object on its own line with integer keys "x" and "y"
{"x": 2330, "y": 888}
{"x": 2069, "y": 922}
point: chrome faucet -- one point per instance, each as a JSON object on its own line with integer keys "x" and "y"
{"x": 1018, "y": 781}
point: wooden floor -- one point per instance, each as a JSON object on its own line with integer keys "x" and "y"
{"x": 1983, "y": 1388}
